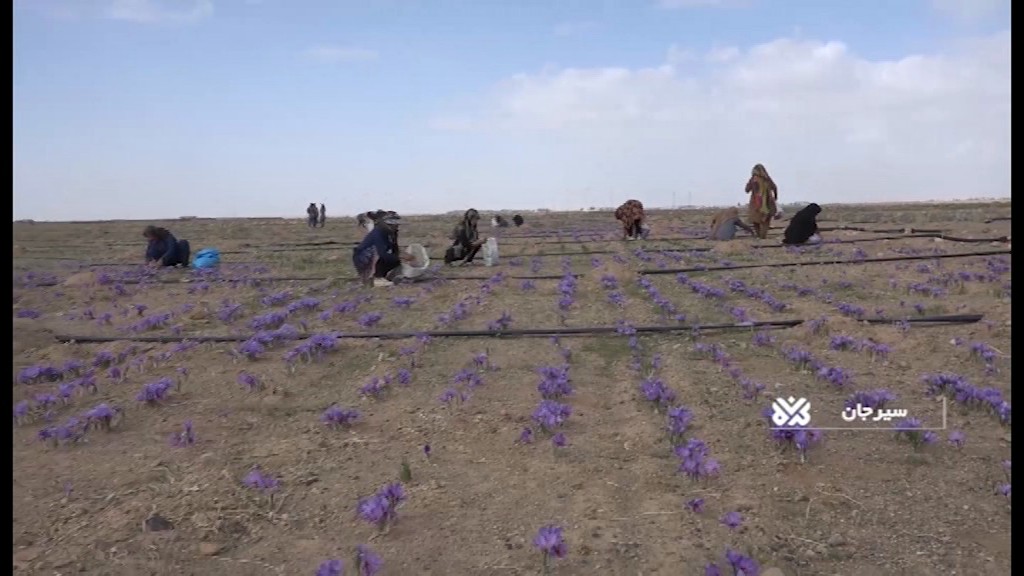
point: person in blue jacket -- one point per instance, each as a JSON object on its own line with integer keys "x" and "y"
{"x": 377, "y": 258}
{"x": 163, "y": 249}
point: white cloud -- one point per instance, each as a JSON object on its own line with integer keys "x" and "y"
{"x": 329, "y": 53}
{"x": 829, "y": 125}
{"x": 574, "y": 28}
{"x": 158, "y": 10}
{"x": 723, "y": 54}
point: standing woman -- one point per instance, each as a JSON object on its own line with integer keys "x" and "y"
{"x": 764, "y": 196}
{"x": 163, "y": 249}
{"x": 631, "y": 214}
{"x": 312, "y": 214}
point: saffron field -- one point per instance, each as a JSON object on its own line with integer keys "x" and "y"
{"x": 293, "y": 447}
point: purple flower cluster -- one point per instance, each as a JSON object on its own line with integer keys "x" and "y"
{"x": 696, "y": 461}
{"x": 259, "y": 480}
{"x": 154, "y": 392}
{"x": 566, "y": 292}
{"x": 961, "y": 391}
{"x": 667, "y": 308}
{"x": 314, "y": 348}
{"x": 503, "y": 322}
{"x": 337, "y": 417}
{"x": 101, "y": 416}
{"x": 740, "y": 287}
{"x": 740, "y": 564}
{"x": 704, "y": 290}
{"x": 909, "y": 429}
{"x": 554, "y": 382}
{"x": 550, "y": 414}
{"x": 381, "y": 508}
{"x": 551, "y": 543}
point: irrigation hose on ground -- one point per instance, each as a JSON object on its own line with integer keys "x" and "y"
{"x": 605, "y": 252}
{"x": 259, "y": 279}
{"x": 651, "y": 272}
{"x": 527, "y": 332}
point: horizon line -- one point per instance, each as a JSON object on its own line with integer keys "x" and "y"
{"x": 995, "y": 200}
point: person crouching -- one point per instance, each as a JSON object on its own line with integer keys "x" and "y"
{"x": 163, "y": 249}
{"x": 377, "y": 258}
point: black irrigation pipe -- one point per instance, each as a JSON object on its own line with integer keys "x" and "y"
{"x": 334, "y": 244}
{"x": 525, "y": 332}
{"x": 884, "y": 230}
{"x": 998, "y": 219}
{"x": 654, "y": 248}
{"x": 650, "y": 272}
{"x": 258, "y": 279}
{"x": 903, "y": 237}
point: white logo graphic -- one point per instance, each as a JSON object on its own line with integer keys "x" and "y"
{"x": 791, "y": 412}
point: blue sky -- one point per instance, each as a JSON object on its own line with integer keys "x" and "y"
{"x": 162, "y": 108}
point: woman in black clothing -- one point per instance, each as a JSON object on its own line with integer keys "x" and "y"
{"x": 803, "y": 227}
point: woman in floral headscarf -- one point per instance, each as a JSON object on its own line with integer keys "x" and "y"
{"x": 631, "y": 214}
{"x": 764, "y": 196}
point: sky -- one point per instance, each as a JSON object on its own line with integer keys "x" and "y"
{"x": 137, "y": 109}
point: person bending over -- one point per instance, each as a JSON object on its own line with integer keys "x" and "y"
{"x": 724, "y": 224}
{"x": 377, "y": 259}
{"x": 163, "y": 249}
{"x": 465, "y": 240}
{"x": 803, "y": 227}
{"x": 631, "y": 214}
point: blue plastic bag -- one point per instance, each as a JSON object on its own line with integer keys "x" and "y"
{"x": 206, "y": 258}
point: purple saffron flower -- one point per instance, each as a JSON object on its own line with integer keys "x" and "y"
{"x": 559, "y": 440}
{"x": 732, "y": 519}
{"x": 333, "y": 567}
{"x": 526, "y": 436}
{"x": 696, "y": 504}
{"x": 21, "y": 409}
{"x": 370, "y": 319}
{"x": 367, "y": 563}
{"x": 957, "y": 438}
{"x": 374, "y": 509}
{"x": 679, "y": 418}
{"x": 261, "y": 481}
{"x": 550, "y": 542}
{"x": 742, "y": 565}
{"x": 249, "y": 381}
{"x": 375, "y": 388}
{"x": 337, "y": 416}
{"x": 550, "y": 414}
{"x": 101, "y": 416}
{"x": 187, "y": 437}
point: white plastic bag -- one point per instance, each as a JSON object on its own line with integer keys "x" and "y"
{"x": 490, "y": 250}
{"x": 420, "y": 263}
